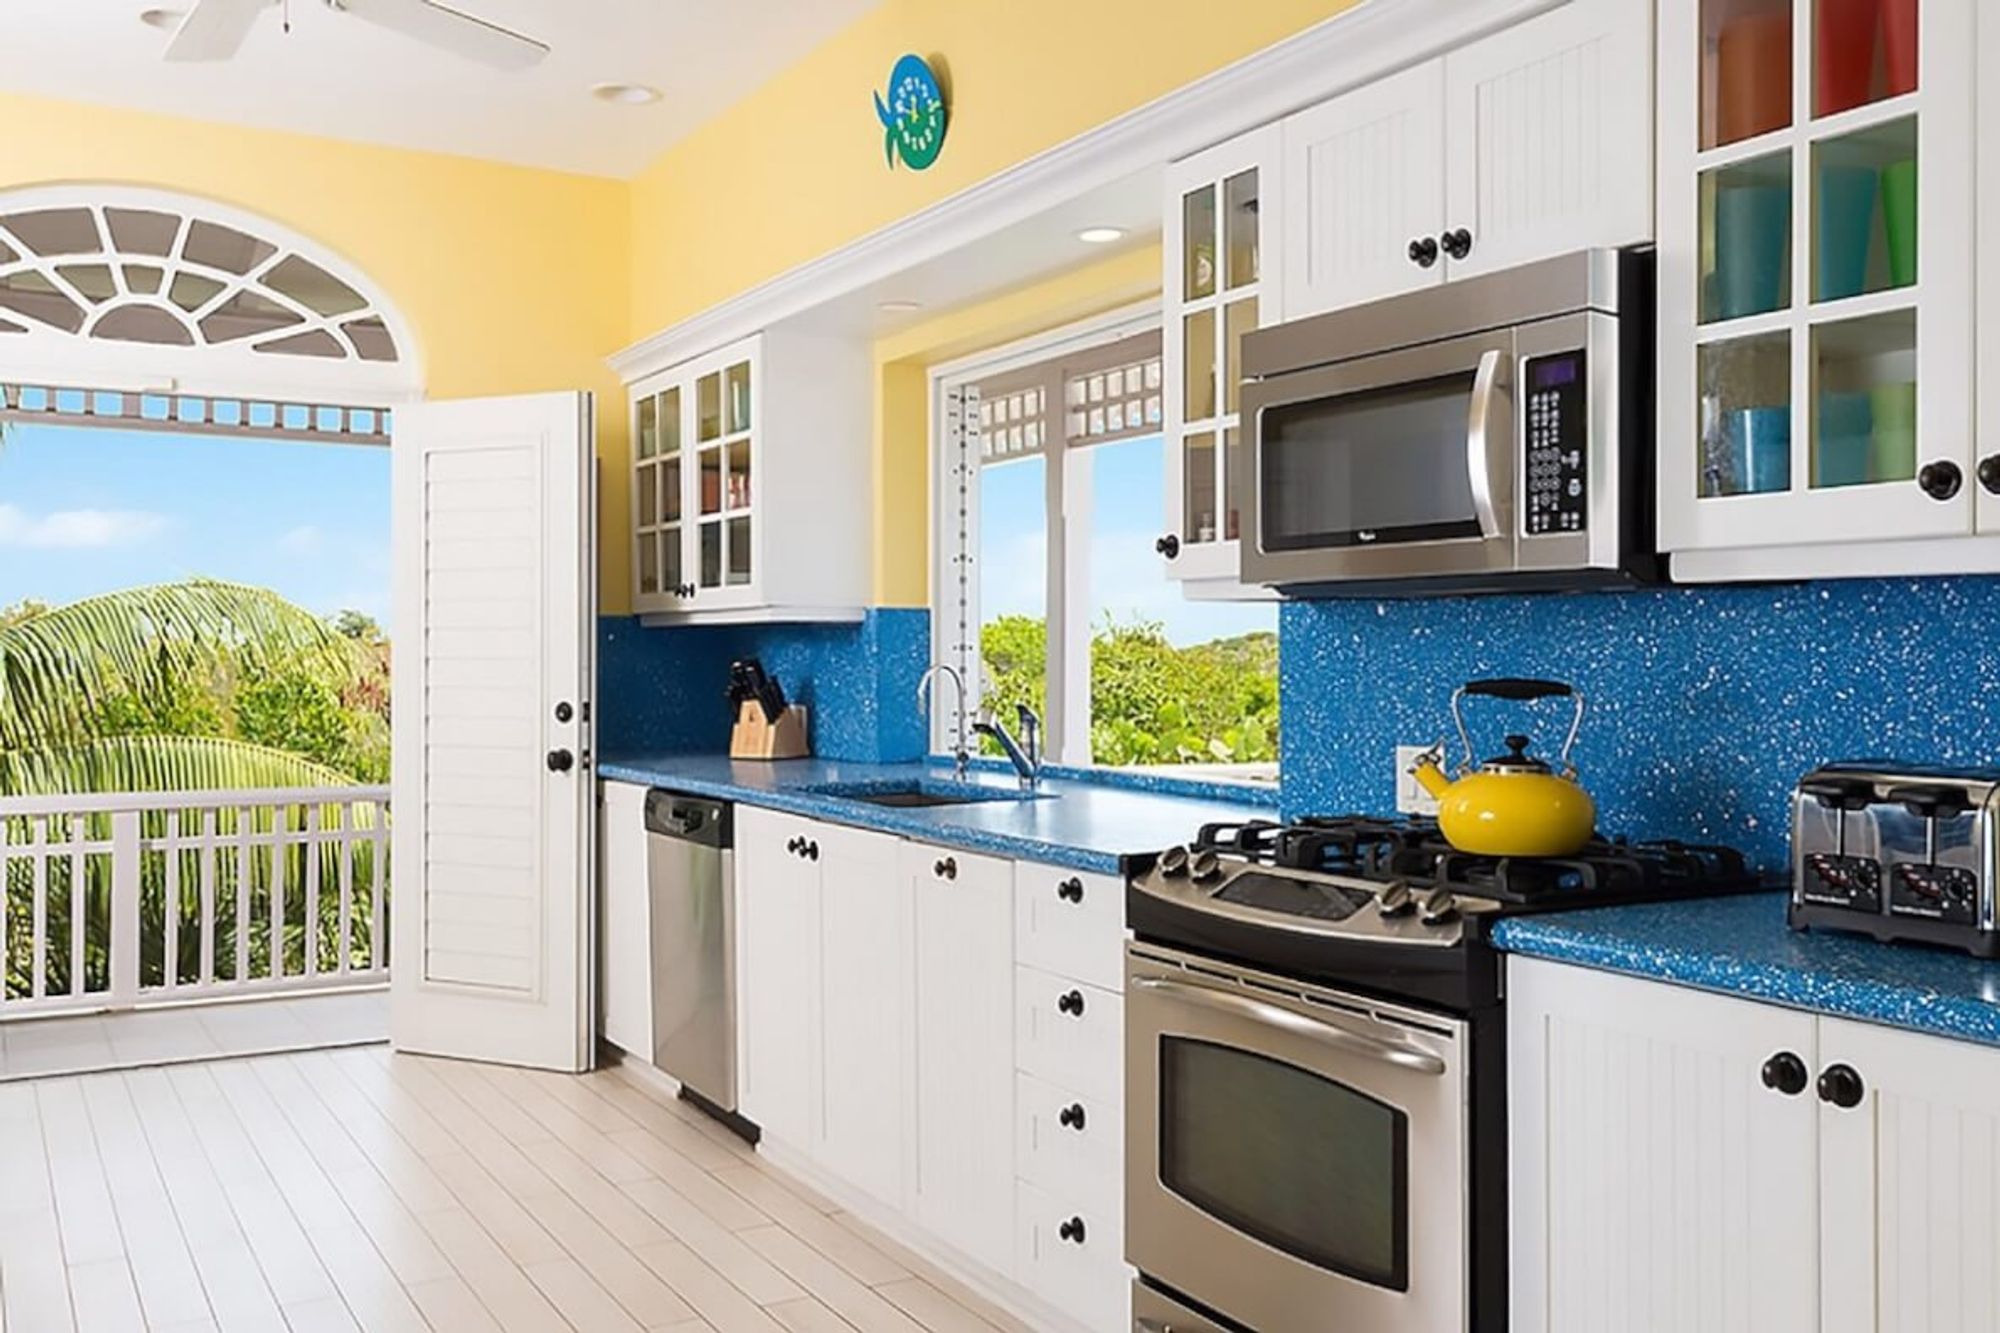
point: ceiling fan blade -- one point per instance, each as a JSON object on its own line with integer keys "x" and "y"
{"x": 447, "y": 29}
{"x": 214, "y": 29}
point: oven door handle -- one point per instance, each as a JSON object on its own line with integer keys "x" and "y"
{"x": 1329, "y": 1034}
{"x": 1478, "y": 458}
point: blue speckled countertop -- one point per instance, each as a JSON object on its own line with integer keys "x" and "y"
{"x": 1079, "y": 824}
{"x": 1741, "y": 946}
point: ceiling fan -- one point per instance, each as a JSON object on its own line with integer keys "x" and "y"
{"x": 215, "y": 30}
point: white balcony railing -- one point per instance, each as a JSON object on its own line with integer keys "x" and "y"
{"x": 121, "y": 901}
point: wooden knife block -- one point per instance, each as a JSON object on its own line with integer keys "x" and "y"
{"x": 755, "y": 738}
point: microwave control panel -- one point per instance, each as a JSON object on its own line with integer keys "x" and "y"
{"x": 1557, "y": 430}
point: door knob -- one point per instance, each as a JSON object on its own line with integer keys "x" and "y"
{"x": 1071, "y": 1116}
{"x": 1840, "y": 1086}
{"x": 1941, "y": 479}
{"x": 1070, "y": 890}
{"x": 1423, "y": 252}
{"x": 1168, "y": 546}
{"x": 1989, "y": 473}
{"x": 561, "y": 761}
{"x": 1071, "y": 1003}
{"x": 1786, "y": 1073}
{"x": 1072, "y": 1231}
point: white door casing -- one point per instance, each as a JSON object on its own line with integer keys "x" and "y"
{"x": 495, "y": 602}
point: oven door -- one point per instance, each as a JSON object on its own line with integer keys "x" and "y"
{"x": 1296, "y": 1157}
{"x": 1391, "y": 466}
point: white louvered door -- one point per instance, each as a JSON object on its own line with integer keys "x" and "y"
{"x": 495, "y": 611}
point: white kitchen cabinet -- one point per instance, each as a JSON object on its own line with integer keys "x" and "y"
{"x": 778, "y": 975}
{"x": 1070, "y": 1141}
{"x": 625, "y": 920}
{"x": 1663, "y": 1173}
{"x": 751, "y": 494}
{"x": 1816, "y": 289}
{"x": 865, "y": 998}
{"x": 1529, "y": 143}
{"x": 962, "y": 905}
{"x": 1072, "y": 1257}
{"x": 1070, "y": 1032}
{"x": 1221, "y": 281}
{"x": 1070, "y": 922}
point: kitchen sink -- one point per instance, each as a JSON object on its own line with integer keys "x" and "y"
{"x": 921, "y": 794}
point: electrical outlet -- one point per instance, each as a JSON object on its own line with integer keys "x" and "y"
{"x": 1411, "y": 798}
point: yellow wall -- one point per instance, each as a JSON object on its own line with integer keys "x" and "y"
{"x": 515, "y": 280}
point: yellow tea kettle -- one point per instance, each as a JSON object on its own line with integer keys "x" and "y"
{"x": 1514, "y": 804}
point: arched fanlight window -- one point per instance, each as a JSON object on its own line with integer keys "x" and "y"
{"x": 154, "y": 283}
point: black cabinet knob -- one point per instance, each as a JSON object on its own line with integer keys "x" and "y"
{"x": 946, "y": 868}
{"x": 1071, "y": 1003}
{"x": 1840, "y": 1086}
{"x": 1786, "y": 1073}
{"x": 1989, "y": 473}
{"x": 796, "y": 846}
{"x": 1456, "y": 243}
{"x": 1072, "y": 1231}
{"x": 1070, "y": 890}
{"x": 1423, "y": 252}
{"x": 561, "y": 761}
{"x": 564, "y": 712}
{"x": 1071, "y": 1116}
{"x": 812, "y": 851}
{"x": 1168, "y": 546}
{"x": 1941, "y": 479}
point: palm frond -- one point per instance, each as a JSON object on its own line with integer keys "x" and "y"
{"x": 58, "y": 670}
{"x": 158, "y": 763}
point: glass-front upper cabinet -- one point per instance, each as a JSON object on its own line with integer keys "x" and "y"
{"x": 693, "y": 503}
{"x": 1816, "y": 274}
{"x": 1220, "y": 283}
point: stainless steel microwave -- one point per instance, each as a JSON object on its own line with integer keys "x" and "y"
{"x": 1486, "y": 434}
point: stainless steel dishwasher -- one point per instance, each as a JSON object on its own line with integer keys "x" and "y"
{"x": 691, "y": 877}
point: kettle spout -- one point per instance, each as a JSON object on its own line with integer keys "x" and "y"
{"x": 1427, "y": 773}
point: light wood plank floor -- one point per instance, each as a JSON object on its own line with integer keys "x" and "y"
{"x": 356, "y": 1189}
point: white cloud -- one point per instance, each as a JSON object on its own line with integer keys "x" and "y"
{"x": 77, "y": 529}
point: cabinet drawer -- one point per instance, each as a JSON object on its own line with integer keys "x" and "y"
{"x": 1070, "y": 1032}
{"x": 1070, "y": 923}
{"x": 1070, "y": 1141}
{"x": 1072, "y": 1257}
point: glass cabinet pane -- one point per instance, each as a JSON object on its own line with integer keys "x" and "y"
{"x": 1238, "y": 318}
{"x": 649, "y": 562}
{"x": 1746, "y": 238}
{"x": 738, "y": 493}
{"x": 1198, "y": 332}
{"x": 649, "y": 426}
{"x": 739, "y": 550}
{"x": 737, "y": 382}
{"x": 1198, "y": 244}
{"x": 711, "y": 555}
{"x": 708, "y": 407}
{"x": 1239, "y": 221}
{"x": 1198, "y": 469}
{"x": 1232, "y": 480}
{"x": 1865, "y": 211}
{"x": 672, "y": 573}
{"x": 1746, "y": 69}
{"x": 711, "y": 480}
{"x": 670, "y": 421}
{"x": 1745, "y": 388}
{"x": 647, "y": 479}
{"x": 1863, "y": 51}
{"x": 670, "y": 489}
{"x": 1865, "y": 401}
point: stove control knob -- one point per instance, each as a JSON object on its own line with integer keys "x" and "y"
{"x": 1396, "y": 899}
{"x": 1439, "y": 908}
{"x": 1204, "y": 865}
{"x": 1174, "y": 862}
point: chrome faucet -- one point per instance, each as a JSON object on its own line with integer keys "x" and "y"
{"x": 927, "y": 697}
{"x": 1027, "y": 762}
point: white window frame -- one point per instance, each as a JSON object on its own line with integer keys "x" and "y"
{"x": 955, "y": 533}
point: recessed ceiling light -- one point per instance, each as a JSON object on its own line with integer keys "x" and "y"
{"x": 625, "y": 94}
{"x": 1100, "y": 235}
{"x": 898, "y": 307}
{"x": 164, "y": 19}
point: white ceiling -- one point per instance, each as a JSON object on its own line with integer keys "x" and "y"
{"x": 335, "y": 75}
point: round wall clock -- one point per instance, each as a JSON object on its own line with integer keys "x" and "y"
{"x": 912, "y": 114}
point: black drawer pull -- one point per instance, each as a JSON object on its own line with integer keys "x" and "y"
{"x": 1071, "y": 1003}
{"x": 812, "y": 851}
{"x": 1071, "y": 1116}
{"x": 1072, "y": 1231}
{"x": 946, "y": 868}
{"x": 1070, "y": 890}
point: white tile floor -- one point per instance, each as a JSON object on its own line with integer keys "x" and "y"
{"x": 355, "y": 1189}
{"x": 39, "y": 1047}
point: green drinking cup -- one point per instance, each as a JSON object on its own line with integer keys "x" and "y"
{"x": 1899, "y": 220}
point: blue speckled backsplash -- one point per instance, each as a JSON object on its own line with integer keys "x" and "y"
{"x": 1705, "y": 704}
{"x": 663, "y": 689}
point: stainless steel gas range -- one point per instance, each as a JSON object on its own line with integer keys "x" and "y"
{"x": 1315, "y": 1093}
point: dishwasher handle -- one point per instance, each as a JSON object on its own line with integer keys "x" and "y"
{"x": 672, "y": 814}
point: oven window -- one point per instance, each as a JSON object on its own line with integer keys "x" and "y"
{"x": 1297, "y": 1161}
{"x": 1385, "y": 465}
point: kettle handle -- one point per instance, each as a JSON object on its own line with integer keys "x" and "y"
{"x": 1520, "y": 690}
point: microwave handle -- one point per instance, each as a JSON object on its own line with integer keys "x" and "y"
{"x": 1478, "y": 460}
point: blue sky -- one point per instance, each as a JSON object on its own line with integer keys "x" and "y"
{"x": 1127, "y": 577}
{"x": 89, "y": 510}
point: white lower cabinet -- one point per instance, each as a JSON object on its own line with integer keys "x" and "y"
{"x": 1069, "y": 1032}
{"x": 1680, "y": 1160}
{"x": 625, "y": 921}
{"x": 777, "y": 971}
{"x": 864, "y": 1008}
{"x": 1072, "y": 1257}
